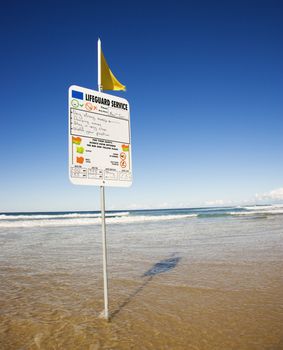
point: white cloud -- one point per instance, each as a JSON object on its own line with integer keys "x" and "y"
{"x": 216, "y": 202}
{"x": 273, "y": 195}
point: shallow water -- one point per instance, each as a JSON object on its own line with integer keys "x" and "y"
{"x": 191, "y": 283}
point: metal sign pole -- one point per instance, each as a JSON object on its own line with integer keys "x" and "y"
{"x": 105, "y": 278}
{"x": 102, "y": 204}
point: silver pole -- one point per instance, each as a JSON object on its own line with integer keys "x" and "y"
{"x": 102, "y": 204}
{"x": 99, "y": 64}
{"x": 105, "y": 278}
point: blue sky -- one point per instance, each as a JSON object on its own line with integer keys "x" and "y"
{"x": 204, "y": 81}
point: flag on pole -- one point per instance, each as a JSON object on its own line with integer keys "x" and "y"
{"x": 108, "y": 79}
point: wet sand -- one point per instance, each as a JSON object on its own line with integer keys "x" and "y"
{"x": 224, "y": 289}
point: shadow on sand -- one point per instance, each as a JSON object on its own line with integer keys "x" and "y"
{"x": 160, "y": 267}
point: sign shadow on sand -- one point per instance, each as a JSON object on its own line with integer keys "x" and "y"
{"x": 162, "y": 266}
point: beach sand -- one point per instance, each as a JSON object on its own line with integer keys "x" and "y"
{"x": 184, "y": 284}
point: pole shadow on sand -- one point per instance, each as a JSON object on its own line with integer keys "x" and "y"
{"x": 160, "y": 267}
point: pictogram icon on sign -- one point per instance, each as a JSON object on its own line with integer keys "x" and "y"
{"x": 123, "y": 163}
{"x": 123, "y": 155}
{"x": 80, "y": 160}
{"x": 88, "y": 106}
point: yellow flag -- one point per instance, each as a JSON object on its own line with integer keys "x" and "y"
{"x": 108, "y": 79}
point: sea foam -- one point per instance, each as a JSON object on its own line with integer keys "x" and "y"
{"x": 83, "y": 221}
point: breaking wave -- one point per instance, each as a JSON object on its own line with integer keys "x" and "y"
{"x": 10, "y": 220}
{"x": 88, "y": 220}
{"x": 57, "y": 216}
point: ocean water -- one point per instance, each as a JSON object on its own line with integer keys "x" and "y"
{"x": 198, "y": 278}
{"x": 47, "y": 219}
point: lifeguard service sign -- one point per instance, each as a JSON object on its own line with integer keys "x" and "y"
{"x": 99, "y": 139}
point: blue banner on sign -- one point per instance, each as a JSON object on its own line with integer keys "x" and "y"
{"x": 78, "y": 94}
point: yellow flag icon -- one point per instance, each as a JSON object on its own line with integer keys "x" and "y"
{"x": 108, "y": 79}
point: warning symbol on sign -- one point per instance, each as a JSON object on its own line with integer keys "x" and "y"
{"x": 123, "y": 155}
{"x": 123, "y": 164}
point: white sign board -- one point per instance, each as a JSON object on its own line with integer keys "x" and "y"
{"x": 99, "y": 139}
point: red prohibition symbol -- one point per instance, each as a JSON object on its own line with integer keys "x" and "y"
{"x": 123, "y": 155}
{"x": 88, "y": 106}
{"x": 123, "y": 164}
